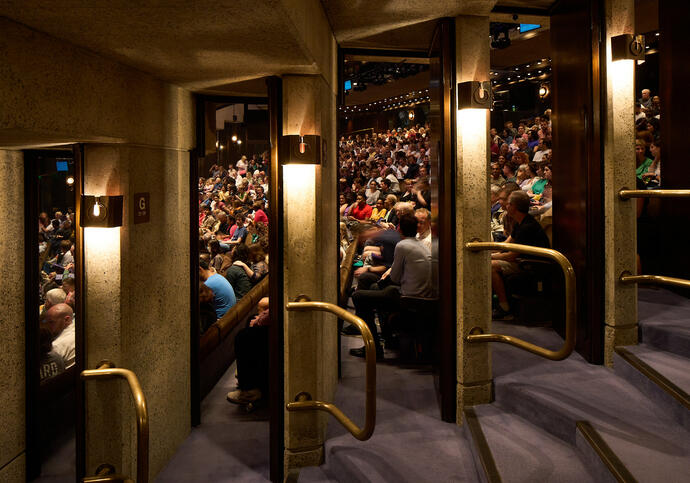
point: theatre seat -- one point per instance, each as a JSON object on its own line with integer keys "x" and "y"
{"x": 416, "y": 327}
{"x": 532, "y": 291}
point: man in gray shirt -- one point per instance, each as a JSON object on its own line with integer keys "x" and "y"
{"x": 411, "y": 272}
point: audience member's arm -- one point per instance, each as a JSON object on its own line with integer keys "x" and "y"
{"x": 396, "y": 270}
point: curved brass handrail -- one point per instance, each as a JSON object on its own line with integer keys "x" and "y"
{"x": 629, "y": 278}
{"x": 107, "y": 370}
{"x": 626, "y": 194}
{"x": 364, "y": 433}
{"x": 570, "y": 301}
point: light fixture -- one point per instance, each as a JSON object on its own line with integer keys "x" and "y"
{"x": 544, "y": 91}
{"x": 627, "y": 47}
{"x": 239, "y": 141}
{"x": 474, "y": 94}
{"x": 234, "y": 138}
{"x": 101, "y": 211}
{"x": 411, "y": 115}
{"x": 70, "y": 180}
{"x": 301, "y": 149}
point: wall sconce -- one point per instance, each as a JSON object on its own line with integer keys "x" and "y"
{"x": 474, "y": 95}
{"x": 627, "y": 47}
{"x": 544, "y": 91}
{"x": 101, "y": 211}
{"x": 411, "y": 115}
{"x": 297, "y": 149}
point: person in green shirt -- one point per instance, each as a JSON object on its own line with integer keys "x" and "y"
{"x": 643, "y": 162}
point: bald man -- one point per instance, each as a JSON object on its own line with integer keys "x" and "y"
{"x": 60, "y": 322}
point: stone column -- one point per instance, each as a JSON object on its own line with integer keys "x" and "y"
{"x": 310, "y": 267}
{"x": 137, "y": 307}
{"x": 620, "y": 303}
{"x": 471, "y": 205}
{"x": 12, "y": 357}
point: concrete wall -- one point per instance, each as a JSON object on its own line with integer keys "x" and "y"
{"x": 12, "y": 398}
{"x": 137, "y": 305}
{"x": 137, "y": 287}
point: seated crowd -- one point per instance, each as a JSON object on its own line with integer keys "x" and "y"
{"x": 233, "y": 245}
{"x": 56, "y": 249}
{"x": 233, "y": 234}
{"x": 385, "y": 202}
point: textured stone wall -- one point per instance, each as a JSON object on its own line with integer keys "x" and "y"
{"x": 620, "y": 302}
{"x": 12, "y": 399}
{"x": 138, "y": 301}
{"x": 472, "y": 176}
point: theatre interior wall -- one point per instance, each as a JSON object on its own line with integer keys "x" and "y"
{"x": 12, "y": 396}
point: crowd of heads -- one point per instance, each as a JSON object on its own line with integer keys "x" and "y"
{"x": 233, "y": 233}
{"x": 56, "y": 248}
{"x": 648, "y": 140}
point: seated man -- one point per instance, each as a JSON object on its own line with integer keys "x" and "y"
{"x": 411, "y": 269}
{"x": 526, "y": 231}
{"x": 60, "y": 322}
{"x": 423, "y": 226}
{"x": 251, "y": 348}
{"x": 223, "y": 294}
{"x": 360, "y": 210}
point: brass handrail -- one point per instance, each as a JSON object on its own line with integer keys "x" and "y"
{"x": 629, "y": 278}
{"x": 626, "y": 194}
{"x": 303, "y": 404}
{"x": 476, "y": 334}
{"x": 107, "y": 370}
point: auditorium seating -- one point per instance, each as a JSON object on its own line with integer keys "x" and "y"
{"x": 217, "y": 344}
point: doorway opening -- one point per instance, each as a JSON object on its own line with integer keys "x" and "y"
{"x": 54, "y": 332}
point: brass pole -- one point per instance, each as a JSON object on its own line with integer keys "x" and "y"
{"x": 628, "y": 278}
{"x": 106, "y": 370}
{"x": 570, "y": 301}
{"x": 626, "y": 194}
{"x": 364, "y": 433}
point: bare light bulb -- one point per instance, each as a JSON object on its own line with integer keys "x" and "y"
{"x": 239, "y": 141}
{"x": 96, "y": 209}
{"x": 302, "y": 145}
{"x": 234, "y": 138}
{"x": 70, "y": 180}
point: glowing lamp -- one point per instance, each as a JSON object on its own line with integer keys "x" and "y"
{"x": 627, "y": 47}
{"x": 474, "y": 95}
{"x": 298, "y": 149}
{"x": 101, "y": 211}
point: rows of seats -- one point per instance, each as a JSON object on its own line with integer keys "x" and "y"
{"x": 217, "y": 344}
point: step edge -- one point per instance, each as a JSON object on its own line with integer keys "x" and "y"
{"x": 479, "y": 442}
{"x": 608, "y": 457}
{"x": 661, "y": 381}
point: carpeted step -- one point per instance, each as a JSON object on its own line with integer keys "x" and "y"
{"x": 651, "y": 445}
{"x": 315, "y": 474}
{"x": 664, "y": 319}
{"x": 524, "y": 452}
{"x": 662, "y": 376}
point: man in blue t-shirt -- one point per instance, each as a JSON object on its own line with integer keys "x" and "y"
{"x": 223, "y": 294}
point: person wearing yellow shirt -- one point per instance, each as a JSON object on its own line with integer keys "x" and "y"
{"x": 378, "y": 212}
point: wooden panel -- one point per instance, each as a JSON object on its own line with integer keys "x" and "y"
{"x": 674, "y": 77}
{"x": 442, "y": 56}
{"x": 578, "y": 229}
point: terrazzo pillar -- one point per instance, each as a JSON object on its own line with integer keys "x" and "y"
{"x": 12, "y": 356}
{"x": 310, "y": 267}
{"x": 471, "y": 206}
{"x": 620, "y": 302}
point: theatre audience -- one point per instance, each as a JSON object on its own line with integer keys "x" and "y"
{"x": 59, "y": 321}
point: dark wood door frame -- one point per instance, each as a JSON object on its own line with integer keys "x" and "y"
{"x": 31, "y": 316}
{"x": 445, "y": 35}
{"x": 579, "y": 109}
{"x": 276, "y": 282}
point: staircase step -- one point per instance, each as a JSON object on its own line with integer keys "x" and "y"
{"x": 664, "y": 319}
{"x": 651, "y": 445}
{"x": 523, "y": 452}
{"x": 315, "y": 474}
{"x": 662, "y": 376}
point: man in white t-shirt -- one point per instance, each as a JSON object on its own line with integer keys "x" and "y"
{"x": 60, "y": 322}
{"x": 423, "y": 227}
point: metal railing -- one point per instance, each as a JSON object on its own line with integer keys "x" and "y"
{"x": 626, "y": 194}
{"x": 107, "y": 370}
{"x": 628, "y": 278}
{"x": 477, "y": 335}
{"x": 303, "y": 400}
